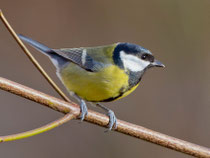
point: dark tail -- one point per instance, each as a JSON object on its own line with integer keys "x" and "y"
{"x": 42, "y": 48}
{"x": 57, "y": 60}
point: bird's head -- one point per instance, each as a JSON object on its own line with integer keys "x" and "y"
{"x": 134, "y": 58}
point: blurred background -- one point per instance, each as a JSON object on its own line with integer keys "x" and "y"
{"x": 174, "y": 100}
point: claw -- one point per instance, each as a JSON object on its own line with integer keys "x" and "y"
{"x": 112, "y": 120}
{"x": 83, "y": 109}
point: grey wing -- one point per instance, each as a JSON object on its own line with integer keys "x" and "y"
{"x": 80, "y": 57}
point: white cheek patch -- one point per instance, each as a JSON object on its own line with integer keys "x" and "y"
{"x": 132, "y": 62}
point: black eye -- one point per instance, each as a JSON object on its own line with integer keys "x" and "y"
{"x": 147, "y": 57}
{"x": 144, "y": 56}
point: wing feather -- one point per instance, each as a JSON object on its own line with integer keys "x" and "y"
{"x": 80, "y": 57}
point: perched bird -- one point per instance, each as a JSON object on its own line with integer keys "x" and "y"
{"x": 99, "y": 74}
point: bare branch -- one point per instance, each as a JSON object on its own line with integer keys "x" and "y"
{"x": 102, "y": 120}
{"x": 49, "y": 126}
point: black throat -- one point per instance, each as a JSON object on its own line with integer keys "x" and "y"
{"x": 134, "y": 78}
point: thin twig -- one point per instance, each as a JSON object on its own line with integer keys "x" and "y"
{"x": 36, "y": 131}
{"x": 30, "y": 56}
{"x": 102, "y": 120}
{"x": 49, "y": 126}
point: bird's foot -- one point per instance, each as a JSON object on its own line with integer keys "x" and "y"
{"x": 83, "y": 110}
{"x": 112, "y": 121}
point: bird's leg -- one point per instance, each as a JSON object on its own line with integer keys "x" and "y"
{"x": 112, "y": 118}
{"x": 83, "y": 106}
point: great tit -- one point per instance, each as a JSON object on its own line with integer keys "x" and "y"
{"x": 99, "y": 74}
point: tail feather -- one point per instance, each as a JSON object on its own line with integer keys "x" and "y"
{"x": 36, "y": 44}
{"x": 56, "y": 59}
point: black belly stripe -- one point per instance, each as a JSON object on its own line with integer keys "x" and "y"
{"x": 113, "y": 98}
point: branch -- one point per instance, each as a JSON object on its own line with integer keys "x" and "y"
{"x": 102, "y": 120}
{"x": 36, "y": 131}
{"x": 49, "y": 126}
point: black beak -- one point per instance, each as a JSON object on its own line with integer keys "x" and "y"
{"x": 157, "y": 63}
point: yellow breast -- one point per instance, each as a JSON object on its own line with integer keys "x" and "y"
{"x": 95, "y": 86}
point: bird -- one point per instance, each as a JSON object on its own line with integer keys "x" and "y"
{"x": 99, "y": 74}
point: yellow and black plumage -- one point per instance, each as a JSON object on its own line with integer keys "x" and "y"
{"x": 99, "y": 74}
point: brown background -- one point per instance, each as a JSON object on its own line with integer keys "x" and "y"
{"x": 174, "y": 100}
